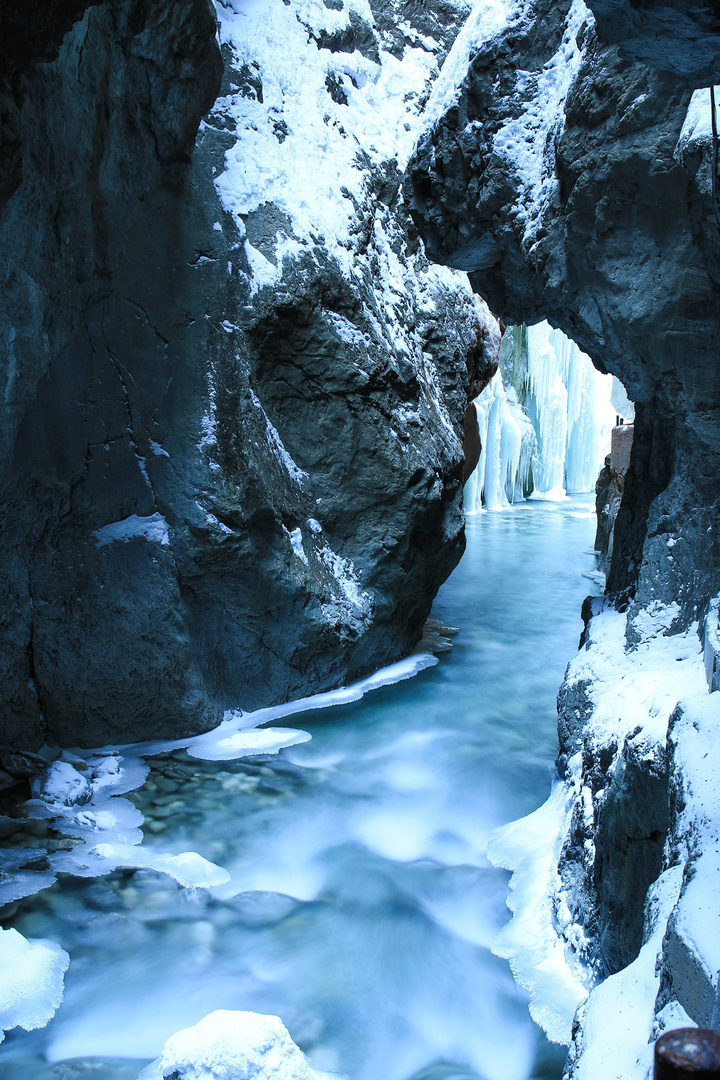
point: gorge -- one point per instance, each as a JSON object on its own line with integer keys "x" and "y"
{"x": 257, "y": 259}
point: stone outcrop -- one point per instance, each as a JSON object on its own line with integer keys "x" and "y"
{"x": 217, "y": 490}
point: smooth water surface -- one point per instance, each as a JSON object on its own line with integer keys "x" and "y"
{"x": 362, "y": 907}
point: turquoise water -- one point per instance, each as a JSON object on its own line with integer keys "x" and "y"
{"x": 361, "y": 907}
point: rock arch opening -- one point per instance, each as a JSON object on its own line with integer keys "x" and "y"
{"x": 545, "y": 421}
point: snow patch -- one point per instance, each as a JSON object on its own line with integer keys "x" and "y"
{"x": 154, "y": 528}
{"x": 229, "y": 1045}
{"x": 527, "y": 142}
{"x": 295, "y": 538}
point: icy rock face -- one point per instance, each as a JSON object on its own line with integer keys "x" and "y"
{"x": 563, "y": 177}
{"x": 570, "y": 176}
{"x": 232, "y": 455}
{"x": 607, "y": 932}
{"x": 229, "y": 1046}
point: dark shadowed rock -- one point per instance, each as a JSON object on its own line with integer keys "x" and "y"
{"x": 616, "y": 245}
{"x": 215, "y": 492}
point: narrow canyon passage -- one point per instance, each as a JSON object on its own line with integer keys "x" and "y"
{"x": 361, "y": 906}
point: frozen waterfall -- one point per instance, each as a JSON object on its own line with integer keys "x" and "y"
{"x": 545, "y": 421}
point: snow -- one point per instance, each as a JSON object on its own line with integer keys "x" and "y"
{"x": 306, "y": 174}
{"x": 62, "y": 784}
{"x": 31, "y": 987}
{"x": 527, "y": 142}
{"x": 624, "y": 1003}
{"x": 697, "y": 126}
{"x": 487, "y": 19}
{"x": 276, "y": 445}
{"x": 228, "y": 1045}
{"x": 154, "y": 528}
{"x": 655, "y": 693}
{"x": 346, "y": 576}
{"x": 295, "y": 538}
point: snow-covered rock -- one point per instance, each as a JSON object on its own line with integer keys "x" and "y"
{"x": 287, "y": 356}
{"x": 232, "y": 1046}
{"x": 63, "y": 784}
{"x": 615, "y": 884}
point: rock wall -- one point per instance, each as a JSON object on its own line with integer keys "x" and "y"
{"x": 568, "y": 172}
{"x": 557, "y": 178}
{"x": 230, "y": 473}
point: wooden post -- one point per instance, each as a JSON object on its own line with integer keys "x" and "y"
{"x": 687, "y": 1054}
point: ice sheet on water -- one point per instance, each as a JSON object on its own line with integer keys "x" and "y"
{"x": 188, "y": 868}
{"x": 31, "y": 987}
{"x": 540, "y": 960}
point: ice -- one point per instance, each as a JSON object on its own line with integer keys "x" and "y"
{"x": 31, "y": 987}
{"x": 154, "y": 527}
{"x": 655, "y": 694}
{"x": 187, "y": 868}
{"x": 540, "y": 960}
{"x": 229, "y": 1046}
{"x": 506, "y": 439}
{"x": 545, "y": 421}
{"x": 219, "y": 745}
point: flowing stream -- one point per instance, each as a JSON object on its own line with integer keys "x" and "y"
{"x": 361, "y": 907}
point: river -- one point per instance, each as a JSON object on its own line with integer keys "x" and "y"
{"x": 361, "y": 907}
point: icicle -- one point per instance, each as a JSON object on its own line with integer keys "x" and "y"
{"x": 548, "y": 429}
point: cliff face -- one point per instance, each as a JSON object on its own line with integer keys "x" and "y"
{"x": 557, "y": 178}
{"x": 230, "y": 474}
{"x": 568, "y": 172}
